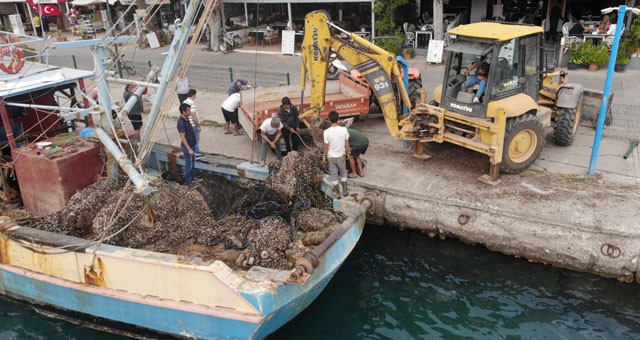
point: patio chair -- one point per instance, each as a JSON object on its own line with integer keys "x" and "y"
{"x": 568, "y": 39}
{"x": 410, "y": 36}
{"x": 271, "y": 37}
{"x": 609, "y": 39}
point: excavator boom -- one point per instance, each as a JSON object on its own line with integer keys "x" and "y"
{"x": 377, "y": 65}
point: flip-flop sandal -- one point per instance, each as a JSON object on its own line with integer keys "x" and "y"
{"x": 353, "y": 176}
{"x": 228, "y": 132}
{"x": 238, "y": 134}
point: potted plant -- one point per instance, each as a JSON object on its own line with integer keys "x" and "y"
{"x": 571, "y": 50}
{"x": 578, "y": 57}
{"x": 634, "y": 33}
{"x": 408, "y": 53}
{"x": 624, "y": 54}
{"x": 591, "y": 54}
{"x": 621, "y": 63}
{"x": 598, "y": 56}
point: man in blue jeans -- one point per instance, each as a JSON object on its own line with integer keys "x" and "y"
{"x": 188, "y": 142}
{"x": 480, "y": 78}
{"x": 194, "y": 118}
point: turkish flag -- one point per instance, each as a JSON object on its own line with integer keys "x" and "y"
{"x": 47, "y": 10}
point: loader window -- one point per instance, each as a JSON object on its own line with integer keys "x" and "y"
{"x": 463, "y": 54}
{"x": 508, "y": 69}
{"x": 532, "y": 62}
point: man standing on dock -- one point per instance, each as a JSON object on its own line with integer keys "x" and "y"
{"x": 194, "y": 119}
{"x": 188, "y": 142}
{"x": 336, "y": 146}
{"x": 182, "y": 87}
{"x": 135, "y": 114}
{"x": 288, "y": 115}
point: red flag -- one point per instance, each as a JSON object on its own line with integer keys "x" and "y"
{"x": 47, "y": 10}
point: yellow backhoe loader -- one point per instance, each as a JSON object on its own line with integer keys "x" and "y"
{"x": 504, "y": 112}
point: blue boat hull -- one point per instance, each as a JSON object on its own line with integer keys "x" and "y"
{"x": 275, "y": 305}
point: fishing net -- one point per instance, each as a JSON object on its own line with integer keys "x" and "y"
{"x": 268, "y": 224}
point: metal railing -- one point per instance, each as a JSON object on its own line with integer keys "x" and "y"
{"x": 625, "y": 124}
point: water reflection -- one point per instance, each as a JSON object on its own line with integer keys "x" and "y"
{"x": 402, "y": 285}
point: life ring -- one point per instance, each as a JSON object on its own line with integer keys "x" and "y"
{"x": 15, "y": 59}
{"x": 14, "y": 54}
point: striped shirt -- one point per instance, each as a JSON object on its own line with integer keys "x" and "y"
{"x": 194, "y": 111}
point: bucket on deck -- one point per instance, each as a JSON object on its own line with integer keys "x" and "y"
{"x": 87, "y": 132}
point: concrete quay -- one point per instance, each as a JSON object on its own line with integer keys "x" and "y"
{"x": 552, "y": 213}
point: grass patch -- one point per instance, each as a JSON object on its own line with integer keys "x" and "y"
{"x": 211, "y": 123}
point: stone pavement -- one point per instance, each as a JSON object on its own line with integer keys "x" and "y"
{"x": 250, "y": 61}
{"x": 259, "y": 63}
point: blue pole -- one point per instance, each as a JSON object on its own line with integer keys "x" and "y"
{"x": 607, "y": 92}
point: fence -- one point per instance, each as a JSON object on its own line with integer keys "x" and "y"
{"x": 212, "y": 78}
{"x": 626, "y": 122}
{"x": 218, "y": 78}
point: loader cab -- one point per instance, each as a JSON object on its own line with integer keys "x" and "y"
{"x": 513, "y": 67}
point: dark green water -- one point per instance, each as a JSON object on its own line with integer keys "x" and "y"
{"x": 402, "y": 285}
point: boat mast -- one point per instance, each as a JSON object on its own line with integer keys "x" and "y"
{"x": 172, "y": 61}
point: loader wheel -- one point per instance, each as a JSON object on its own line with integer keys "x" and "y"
{"x": 565, "y": 127}
{"x": 523, "y": 140}
{"x": 414, "y": 86}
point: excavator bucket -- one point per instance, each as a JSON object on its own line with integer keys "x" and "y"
{"x": 318, "y": 125}
{"x": 591, "y": 104}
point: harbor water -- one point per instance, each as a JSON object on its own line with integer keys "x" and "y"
{"x": 403, "y": 285}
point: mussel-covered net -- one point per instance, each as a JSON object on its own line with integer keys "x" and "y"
{"x": 269, "y": 224}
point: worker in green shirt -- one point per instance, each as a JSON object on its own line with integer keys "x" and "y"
{"x": 359, "y": 143}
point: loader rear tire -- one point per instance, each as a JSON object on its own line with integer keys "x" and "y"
{"x": 414, "y": 86}
{"x": 565, "y": 127}
{"x": 523, "y": 141}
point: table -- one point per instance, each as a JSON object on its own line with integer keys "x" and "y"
{"x": 593, "y": 36}
{"x": 255, "y": 36}
{"x": 422, "y": 39}
{"x": 258, "y": 36}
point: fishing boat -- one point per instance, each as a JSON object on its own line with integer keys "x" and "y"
{"x": 130, "y": 288}
{"x": 124, "y": 288}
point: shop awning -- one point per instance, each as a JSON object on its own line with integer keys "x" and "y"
{"x": 291, "y": 1}
{"x": 32, "y": 2}
{"x": 91, "y": 2}
{"x": 149, "y": 2}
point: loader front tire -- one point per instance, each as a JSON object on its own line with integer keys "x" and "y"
{"x": 565, "y": 127}
{"x": 523, "y": 141}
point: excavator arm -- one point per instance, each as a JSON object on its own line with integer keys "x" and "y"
{"x": 377, "y": 65}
